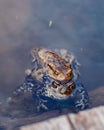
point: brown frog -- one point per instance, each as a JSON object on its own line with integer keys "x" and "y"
{"x": 57, "y": 67}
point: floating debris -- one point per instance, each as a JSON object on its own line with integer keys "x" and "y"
{"x": 50, "y": 23}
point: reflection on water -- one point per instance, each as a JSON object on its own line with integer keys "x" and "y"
{"x": 77, "y": 25}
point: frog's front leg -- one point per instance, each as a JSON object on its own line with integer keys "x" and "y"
{"x": 39, "y": 74}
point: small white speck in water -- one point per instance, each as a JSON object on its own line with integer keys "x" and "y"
{"x": 50, "y": 23}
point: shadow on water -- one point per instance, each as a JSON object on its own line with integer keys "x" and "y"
{"x": 76, "y": 25}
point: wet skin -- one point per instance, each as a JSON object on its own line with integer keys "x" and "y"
{"x": 57, "y": 68}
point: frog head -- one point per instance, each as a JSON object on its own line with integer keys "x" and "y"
{"x": 60, "y": 73}
{"x": 57, "y": 67}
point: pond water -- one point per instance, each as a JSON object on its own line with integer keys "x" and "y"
{"x": 75, "y": 25}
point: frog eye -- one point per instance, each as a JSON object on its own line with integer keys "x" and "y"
{"x": 56, "y": 73}
{"x": 72, "y": 86}
{"x": 55, "y": 84}
{"x": 69, "y": 74}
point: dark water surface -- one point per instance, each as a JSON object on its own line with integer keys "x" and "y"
{"x": 77, "y": 25}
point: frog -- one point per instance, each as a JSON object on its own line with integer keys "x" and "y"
{"x": 57, "y": 65}
{"x": 57, "y": 75}
{"x": 44, "y": 90}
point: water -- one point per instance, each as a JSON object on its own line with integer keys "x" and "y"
{"x": 76, "y": 25}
